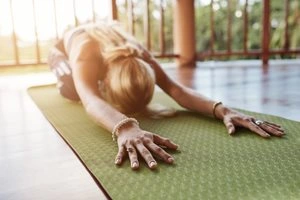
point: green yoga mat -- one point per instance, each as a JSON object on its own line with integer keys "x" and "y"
{"x": 209, "y": 165}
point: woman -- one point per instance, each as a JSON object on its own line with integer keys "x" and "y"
{"x": 114, "y": 76}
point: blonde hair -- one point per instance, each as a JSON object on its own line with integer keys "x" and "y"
{"x": 130, "y": 81}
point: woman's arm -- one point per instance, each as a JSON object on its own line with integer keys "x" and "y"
{"x": 194, "y": 101}
{"x": 86, "y": 61}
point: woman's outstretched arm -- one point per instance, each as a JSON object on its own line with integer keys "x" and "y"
{"x": 86, "y": 62}
{"x": 194, "y": 101}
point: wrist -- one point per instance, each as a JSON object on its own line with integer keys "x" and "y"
{"x": 123, "y": 125}
{"x": 221, "y": 111}
{"x": 127, "y": 128}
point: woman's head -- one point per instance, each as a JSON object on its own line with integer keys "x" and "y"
{"x": 130, "y": 81}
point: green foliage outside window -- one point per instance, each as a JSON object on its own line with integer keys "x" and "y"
{"x": 220, "y": 8}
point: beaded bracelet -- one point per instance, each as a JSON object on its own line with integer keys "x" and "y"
{"x": 121, "y": 123}
{"x": 214, "y": 108}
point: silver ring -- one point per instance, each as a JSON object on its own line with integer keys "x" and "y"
{"x": 258, "y": 122}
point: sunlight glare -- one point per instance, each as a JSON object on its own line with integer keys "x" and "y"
{"x": 5, "y": 24}
{"x": 204, "y": 2}
{"x": 45, "y": 16}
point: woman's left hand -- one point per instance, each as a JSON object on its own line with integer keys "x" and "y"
{"x": 233, "y": 119}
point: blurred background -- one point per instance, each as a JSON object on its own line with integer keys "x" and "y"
{"x": 224, "y": 29}
{"x": 244, "y": 53}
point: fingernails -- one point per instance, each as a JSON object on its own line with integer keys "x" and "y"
{"x": 281, "y": 134}
{"x": 117, "y": 161}
{"x": 231, "y": 130}
{"x": 152, "y": 164}
{"x": 170, "y": 160}
{"x": 135, "y": 165}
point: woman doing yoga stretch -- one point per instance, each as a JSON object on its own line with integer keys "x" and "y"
{"x": 114, "y": 77}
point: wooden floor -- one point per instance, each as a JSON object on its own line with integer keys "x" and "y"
{"x": 35, "y": 163}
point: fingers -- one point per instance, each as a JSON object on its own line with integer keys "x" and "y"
{"x": 161, "y": 153}
{"x": 120, "y": 155}
{"x": 272, "y": 128}
{"x": 272, "y": 124}
{"x": 262, "y": 128}
{"x": 229, "y": 125}
{"x": 255, "y": 128}
{"x": 132, "y": 154}
{"x": 146, "y": 147}
{"x": 145, "y": 153}
{"x": 164, "y": 142}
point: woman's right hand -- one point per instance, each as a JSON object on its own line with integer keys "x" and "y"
{"x": 133, "y": 141}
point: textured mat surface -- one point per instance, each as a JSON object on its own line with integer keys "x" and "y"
{"x": 209, "y": 165}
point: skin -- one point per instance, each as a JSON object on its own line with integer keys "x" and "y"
{"x": 87, "y": 65}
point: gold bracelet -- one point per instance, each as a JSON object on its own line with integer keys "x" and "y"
{"x": 121, "y": 123}
{"x": 215, "y": 107}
